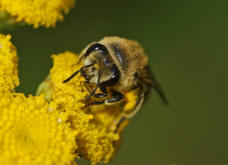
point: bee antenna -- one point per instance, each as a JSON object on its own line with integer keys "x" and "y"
{"x": 75, "y": 73}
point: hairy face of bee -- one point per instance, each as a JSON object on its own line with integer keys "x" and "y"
{"x": 98, "y": 67}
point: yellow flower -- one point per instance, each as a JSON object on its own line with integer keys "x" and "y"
{"x": 32, "y": 132}
{"x": 37, "y": 12}
{"x": 8, "y": 64}
{"x": 96, "y": 141}
{"x": 54, "y": 127}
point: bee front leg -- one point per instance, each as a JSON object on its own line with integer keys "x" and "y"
{"x": 116, "y": 97}
{"x": 103, "y": 94}
{"x": 118, "y": 122}
{"x": 127, "y": 115}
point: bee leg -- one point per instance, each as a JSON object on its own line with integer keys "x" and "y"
{"x": 99, "y": 95}
{"x": 118, "y": 124}
{"x": 88, "y": 89}
{"x": 127, "y": 115}
{"x": 95, "y": 103}
{"x": 103, "y": 94}
{"x": 116, "y": 97}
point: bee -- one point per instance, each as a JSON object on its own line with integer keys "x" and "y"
{"x": 116, "y": 66}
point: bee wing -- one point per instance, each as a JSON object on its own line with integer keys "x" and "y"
{"x": 149, "y": 79}
{"x": 154, "y": 83}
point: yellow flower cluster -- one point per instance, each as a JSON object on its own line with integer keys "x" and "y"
{"x": 54, "y": 127}
{"x": 96, "y": 141}
{"x": 37, "y": 12}
{"x": 30, "y": 134}
{"x": 32, "y": 131}
{"x": 8, "y": 64}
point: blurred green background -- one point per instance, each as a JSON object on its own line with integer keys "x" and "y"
{"x": 186, "y": 42}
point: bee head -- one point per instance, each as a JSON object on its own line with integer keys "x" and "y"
{"x": 98, "y": 66}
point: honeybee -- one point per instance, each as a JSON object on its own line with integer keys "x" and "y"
{"x": 116, "y": 66}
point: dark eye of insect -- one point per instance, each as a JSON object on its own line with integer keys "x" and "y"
{"x": 96, "y": 47}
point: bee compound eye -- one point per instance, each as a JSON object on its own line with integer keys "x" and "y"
{"x": 96, "y": 47}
